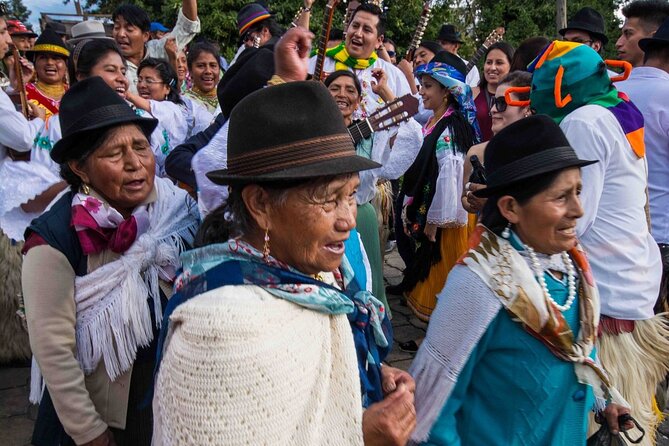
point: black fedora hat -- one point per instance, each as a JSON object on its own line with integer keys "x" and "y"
{"x": 452, "y": 60}
{"x": 660, "y": 38}
{"x": 588, "y": 20}
{"x": 288, "y": 132}
{"x": 48, "y": 42}
{"x": 449, "y": 34}
{"x": 87, "y": 108}
{"x": 529, "y": 147}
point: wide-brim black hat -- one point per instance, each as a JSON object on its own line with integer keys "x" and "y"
{"x": 87, "y": 108}
{"x": 449, "y": 34}
{"x": 588, "y": 20}
{"x": 48, "y": 42}
{"x": 288, "y": 132}
{"x": 529, "y": 147}
{"x": 660, "y": 38}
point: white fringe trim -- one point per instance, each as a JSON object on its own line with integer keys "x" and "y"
{"x": 113, "y": 319}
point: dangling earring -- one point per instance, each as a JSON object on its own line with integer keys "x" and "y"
{"x": 506, "y": 233}
{"x": 85, "y": 189}
{"x": 265, "y": 248}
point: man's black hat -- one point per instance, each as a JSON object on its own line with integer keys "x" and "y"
{"x": 590, "y": 21}
{"x": 452, "y": 60}
{"x": 660, "y": 38}
{"x": 88, "y": 108}
{"x": 529, "y": 147}
{"x": 448, "y": 33}
{"x": 288, "y": 132}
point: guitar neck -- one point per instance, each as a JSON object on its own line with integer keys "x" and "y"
{"x": 420, "y": 30}
{"x": 477, "y": 56}
{"x": 322, "y": 43}
{"x": 360, "y": 131}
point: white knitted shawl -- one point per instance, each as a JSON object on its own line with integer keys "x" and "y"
{"x": 113, "y": 318}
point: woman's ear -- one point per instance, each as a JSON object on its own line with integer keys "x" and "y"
{"x": 79, "y": 171}
{"x": 257, "y": 202}
{"x": 508, "y": 207}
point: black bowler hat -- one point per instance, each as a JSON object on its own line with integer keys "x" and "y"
{"x": 660, "y": 38}
{"x": 48, "y": 42}
{"x": 452, "y": 60}
{"x": 287, "y": 132}
{"x": 529, "y": 147}
{"x": 85, "y": 110}
{"x": 449, "y": 34}
{"x": 251, "y": 71}
{"x": 588, "y": 20}
{"x": 57, "y": 27}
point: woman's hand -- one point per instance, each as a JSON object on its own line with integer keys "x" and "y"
{"x": 471, "y": 202}
{"x": 612, "y": 412}
{"x": 392, "y": 378}
{"x": 291, "y": 54}
{"x": 430, "y": 232}
{"x": 106, "y": 439}
{"x": 391, "y": 421}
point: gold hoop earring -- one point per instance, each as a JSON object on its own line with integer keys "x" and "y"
{"x": 265, "y": 248}
{"x": 85, "y": 189}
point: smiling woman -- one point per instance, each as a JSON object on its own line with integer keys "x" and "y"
{"x": 50, "y": 58}
{"x": 205, "y": 69}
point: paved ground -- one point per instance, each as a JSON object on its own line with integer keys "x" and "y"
{"x": 17, "y": 415}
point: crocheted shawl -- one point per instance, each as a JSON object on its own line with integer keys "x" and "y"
{"x": 238, "y": 263}
{"x": 569, "y": 75}
{"x": 344, "y": 61}
{"x": 514, "y": 287}
{"x": 113, "y": 318}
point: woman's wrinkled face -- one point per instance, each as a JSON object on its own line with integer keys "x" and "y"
{"x": 345, "y": 95}
{"x": 121, "y": 170}
{"x": 547, "y": 222}
{"x": 205, "y": 71}
{"x": 111, "y": 69}
{"x": 496, "y": 67}
{"x": 433, "y": 93}
{"x": 308, "y": 230}
{"x": 50, "y": 68}
{"x": 150, "y": 85}
{"x": 501, "y": 119}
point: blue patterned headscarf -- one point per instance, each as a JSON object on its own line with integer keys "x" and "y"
{"x": 454, "y": 80}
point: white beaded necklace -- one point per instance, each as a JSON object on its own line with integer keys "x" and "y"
{"x": 571, "y": 278}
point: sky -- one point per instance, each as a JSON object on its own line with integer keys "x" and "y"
{"x": 38, "y": 6}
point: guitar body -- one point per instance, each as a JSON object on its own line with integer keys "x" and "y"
{"x": 322, "y": 43}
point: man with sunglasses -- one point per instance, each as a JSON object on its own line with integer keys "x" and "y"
{"x": 586, "y": 27}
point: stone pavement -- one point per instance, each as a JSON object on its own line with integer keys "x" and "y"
{"x": 17, "y": 416}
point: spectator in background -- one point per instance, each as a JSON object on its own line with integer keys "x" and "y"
{"x": 205, "y": 69}
{"x": 131, "y": 32}
{"x": 21, "y": 36}
{"x": 642, "y": 19}
{"x": 390, "y": 49}
{"x": 451, "y": 40}
{"x": 586, "y": 27}
{"x": 527, "y": 51}
{"x": 158, "y": 30}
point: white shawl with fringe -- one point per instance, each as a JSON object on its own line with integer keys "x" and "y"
{"x": 113, "y": 318}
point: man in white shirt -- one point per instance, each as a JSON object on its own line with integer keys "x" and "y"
{"x": 450, "y": 40}
{"x": 365, "y": 33}
{"x": 570, "y": 86}
{"x": 132, "y": 31}
{"x": 16, "y": 132}
{"x": 642, "y": 19}
{"x": 653, "y": 77}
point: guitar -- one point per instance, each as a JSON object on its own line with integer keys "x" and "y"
{"x": 323, "y": 41}
{"x": 394, "y": 113}
{"x": 16, "y": 155}
{"x": 425, "y": 16}
{"x": 495, "y": 36}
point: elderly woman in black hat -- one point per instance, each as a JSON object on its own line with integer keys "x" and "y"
{"x": 269, "y": 314}
{"x": 517, "y": 354}
{"x": 97, "y": 272}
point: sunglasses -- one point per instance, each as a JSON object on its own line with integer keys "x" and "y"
{"x": 391, "y": 53}
{"x": 499, "y": 103}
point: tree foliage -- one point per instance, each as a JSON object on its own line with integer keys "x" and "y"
{"x": 17, "y": 10}
{"x": 475, "y": 18}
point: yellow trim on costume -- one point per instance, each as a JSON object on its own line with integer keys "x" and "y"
{"x": 49, "y": 48}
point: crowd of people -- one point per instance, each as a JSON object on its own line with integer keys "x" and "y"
{"x": 193, "y": 249}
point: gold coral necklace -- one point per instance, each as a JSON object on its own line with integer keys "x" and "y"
{"x": 54, "y": 92}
